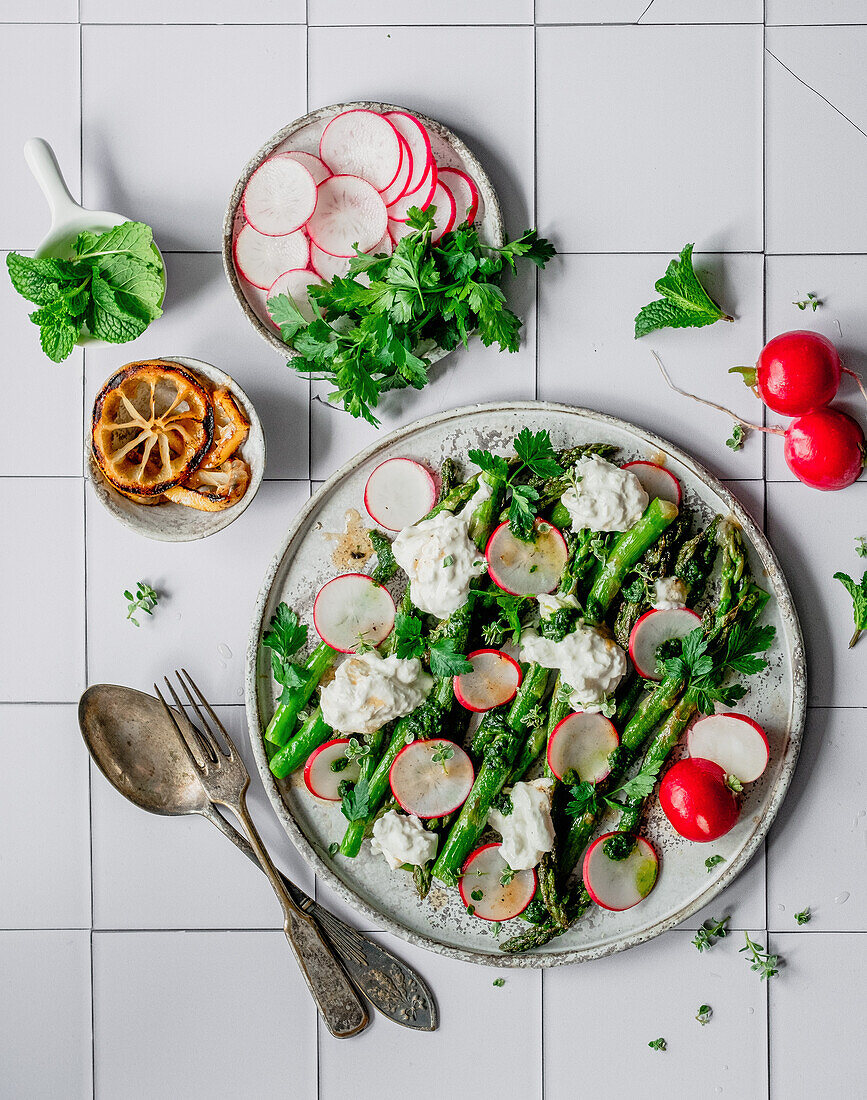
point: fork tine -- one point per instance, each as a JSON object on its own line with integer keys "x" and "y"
{"x": 202, "y": 731}
{"x": 187, "y": 749}
{"x": 233, "y": 752}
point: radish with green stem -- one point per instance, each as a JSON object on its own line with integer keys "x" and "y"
{"x": 698, "y": 801}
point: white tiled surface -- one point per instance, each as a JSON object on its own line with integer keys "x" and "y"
{"x": 622, "y": 128}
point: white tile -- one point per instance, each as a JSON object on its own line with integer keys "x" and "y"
{"x": 192, "y": 11}
{"x": 42, "y": 659}
{"x": 200, "y": 1014}
{"x": 840, "y": 284}
{"x": 743, "y": 901}
{"x": 47, "y": 108}
{"x": 39, "y": 11}
{"x": 817, "y": 1007}
{"x": 202, "y": 319}
{"x": 808, "y": 11}
{"x": 751, "y": 495}
{"x": 452, "y": 74}
{"x": 588, "y": 355}
{"x": 44, "y": 819}
{"x": 813, "y": 535}
{"x": 45, "y": 1015}
{"x": 172, "y": 155}
{"x": 208, "y": 590}
{"x": 614, "y": 173}
{"x": 162, "y": 872}
{"x": 817, "y": 845}
{"x": 418, "y": 12}
{"x": 620, "y": 1004}
{"x": 56, "y": 450}
{"x": 813, "y": 80}
{"x": 648, "y": 11}
{"x": 492, "y": 1034}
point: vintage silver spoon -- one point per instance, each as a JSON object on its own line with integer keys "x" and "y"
{"x": 137, "y": 750}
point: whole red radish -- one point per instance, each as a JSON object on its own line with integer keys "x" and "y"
{"x": 697, "y": 801}
{"x": 825, "y": 449}
{"x": 797, "y": 372}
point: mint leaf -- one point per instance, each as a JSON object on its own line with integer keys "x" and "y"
{"x": 58, "y": 331}
{"x": 858, "y": 592}
{"x": 134, "y": 238}
{"x": 137, "y": 286}
{"x": 107, "y": 320}
{"x": 685, "y": 302}
{"x": 39, "y": 281}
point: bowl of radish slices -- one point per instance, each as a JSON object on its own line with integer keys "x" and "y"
{"x": 340, "y": 178}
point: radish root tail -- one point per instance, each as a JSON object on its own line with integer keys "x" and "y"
{"x": 714, "y": 405}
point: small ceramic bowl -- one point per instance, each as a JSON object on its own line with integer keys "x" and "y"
{"x": 169, "y": 522}
{"x": 304, "y": 134}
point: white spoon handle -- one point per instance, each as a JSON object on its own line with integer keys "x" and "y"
{"x": 46, "y": 171}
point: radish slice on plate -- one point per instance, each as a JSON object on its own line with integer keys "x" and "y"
{"x": 317, "y": 167}
{"x": 418, "y": 142}
{"x": 328, "y": 266}
{"x": 465, "y": 192}
{"x": 582, "y": 742}
{"x": 396, "y": 230}
{"x": 362, "y": 143}
{"x": 295, "y": 284}
{"x": 482, "y": 873}
{"x": 737, "y": 743}
{"x": 494, "y": 680}
{"x": 319, "y": 777}
{"x": 656, "y": 480}
{"x": 350, "y": 213}
{"x": 398, "y": 493}
{"x": 352, "y": 608}
{"x": 260, "y": 258}
{"x": 431, "y": 778}
{"x": 399, "y": 211}
{"x": 618, "y": 884}
{"x": 444, "y": 218}
{"x": 398, "y": 188}
{"x": 280, "y": 196}
{"x": 654, "y": 628}
{"x": 526, "y": 568}
{"x": 385, "y": 246}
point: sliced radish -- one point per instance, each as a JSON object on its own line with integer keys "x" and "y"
{"x": 482, "y": 874}
{"x": 582, "y": 742}
{"x": 328, "y": 266}
{"x": 280, "y": 196}
{"x": 350, "y": 213}
{"x": 385, "y": 246}
{"x": 399, "y": 186}
{"x": 656, "y": 480}
{"x": 352, "y": 608}
{"x": 465, "y": 192}
{"x": 317, "y": 167}
{"x": 260, "y": 258}
{"x": 619, "y": 884}
{"x": 295, "y": 284}
{"x": 362, "y": 143}
{"x": 526, "y": 568}
{"x": 654, "y": 628}
{"x": 444, "y": 218}
{"x": 418, "y": 142}
{"x": 431, "y": 778}
{"x": 398, "y": 493}
{"x": 397, "y": 230}
{"x": 737, "y": 743}
{"x": 319, "y": 777}
{"x": 494, "y": 680}
{"x": 399, "y": 211}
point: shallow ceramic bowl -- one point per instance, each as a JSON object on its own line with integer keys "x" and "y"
{"x": 304, "y": 134}
{"x": 387, "y": 899}
{"x": 168, "y": 522}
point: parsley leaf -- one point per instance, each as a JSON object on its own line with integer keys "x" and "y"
{"x": 713, "y": 861}
{"x": 858, "y": 592}
{"x": 685, "y": 302}
{"x": 536, "y": 454}
{"x": 286, "y": 634}
{"x": 445, "y": 661}
{"x": 408, "y": 635}
{"x": 355, "y": 803}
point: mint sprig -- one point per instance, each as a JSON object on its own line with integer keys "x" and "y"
{"x": 684, "y": 304}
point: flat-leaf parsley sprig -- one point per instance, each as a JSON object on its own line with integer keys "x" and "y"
{"x": 285, "y": 636}
{"x": 371, "y": 337}
{"x": 536, "y": 454}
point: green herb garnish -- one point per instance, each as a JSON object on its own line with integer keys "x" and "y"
{"x": 736, "y": 439}
{"x": 711, "y": 931}
{"x": 333, "y": 849}
{"x": 704, "y": 1014}
{"x": 536, "y": 454}
{"x": 145, "y": 599}
{"x": 286, "y": 634}
{"x": 684, "y": 303}
{"x": 477, "y": 895}
{"x": 810, "y": 300}
{"x": 499, "y": 982}
{"x": 657, "y": 1044}
{"x": 111, "y": 286}
{"x": 713, "y": 861}
{"x": 804, "y": 917}
{"x": 765, "y": 965}
{"x": 355, "y": 802}
{"x": 858, "y": 592}
{"x": 442, "y": 756}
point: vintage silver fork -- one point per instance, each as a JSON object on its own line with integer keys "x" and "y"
{"x": 224, "y": 776}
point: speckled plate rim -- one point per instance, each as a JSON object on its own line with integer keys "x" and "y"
{"x": 776, "y": 794}
{"x": 493, "y": 215}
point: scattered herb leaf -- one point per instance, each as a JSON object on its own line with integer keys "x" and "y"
{"x": 286, "y": 634}
{"x": 333, "y": 849}
{"x": 355, "y": 803}
{"x": 711, "y": 931}
{"x": 684, "y": 304}
{"x": 804, "y": 917}
{"x": 765, "y": 965}
{"x": 713, "y": 861}
{"x": 657, "y": 1044}
{"x": 811, "y": 300}
{"x": 477, "y": 895}
{"x": 858, "y": 592}
{"x": 736, "y": 439}
{"x": 499, "y": 982}
{"x": 704, "y": 1014}
{"x": 145, "y": 599}
{"x": 442, "y": 756}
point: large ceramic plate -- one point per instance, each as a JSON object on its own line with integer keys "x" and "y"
{"x": 776, "y": 700}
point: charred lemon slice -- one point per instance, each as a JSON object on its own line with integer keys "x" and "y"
{"x": 213, "y": 490}
{"x": 230, "y": 429}
{"x": 153, "y": 422}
